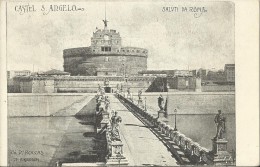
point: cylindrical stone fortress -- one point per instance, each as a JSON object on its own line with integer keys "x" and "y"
{"x": 105, "y": 57}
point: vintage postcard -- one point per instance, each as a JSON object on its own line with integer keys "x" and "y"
{"x": 123, "y": 83}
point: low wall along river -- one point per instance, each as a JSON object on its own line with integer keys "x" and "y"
{"x": 36, "y": 104}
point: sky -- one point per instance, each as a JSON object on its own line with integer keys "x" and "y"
{"x": 175, "y": 40}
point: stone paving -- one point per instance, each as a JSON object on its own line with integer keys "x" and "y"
{"x": 141, "y": 146}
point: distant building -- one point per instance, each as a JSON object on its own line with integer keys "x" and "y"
{"x": 164, "y": 73}
{"x": 186, "y": 73}
{"x": 33, "y": 84}
{"x": 54, "y": 72}
{"x": 202, "y": 73}
{"x": 184, "y": 83}
{"x": 12, "y": 73}
{"x": 194, "y": 73}
{"x": 157, "y": 73}
{"x": 229, "y": 71}
{"x": 216, "y": 76}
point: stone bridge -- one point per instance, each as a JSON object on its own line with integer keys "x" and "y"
{"x": 145, "y": 140}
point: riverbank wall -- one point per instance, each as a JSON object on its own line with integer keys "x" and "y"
{"x": 54, "y": 104}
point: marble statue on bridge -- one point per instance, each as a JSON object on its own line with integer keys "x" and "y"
{"x": 220, "y": 121}
{"x": 140, "y": 94}
{"x": 107, "y": 102}
{"x": 161, "y": 102}
{"x": 140, "y": 99}
{"x": 129, "y": 95}
{"x": 115, "y": 120}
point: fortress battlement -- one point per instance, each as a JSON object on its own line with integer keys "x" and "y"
{"x": 86, "y": 51}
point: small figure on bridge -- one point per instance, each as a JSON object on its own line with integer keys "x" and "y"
{"x": 99, "y": 88}
{"x": 107, "y": 102}
{"x": 115, "y": 120}
{"x": 128, "y": 91}
{"x": 161, "y": 102}
{"x": 220, "y": 121}
{"x": 106, "y": 82}
{"x": 112, "y": 114}
{"x": 129, "y": 94}
{"x": 140, "y": 94}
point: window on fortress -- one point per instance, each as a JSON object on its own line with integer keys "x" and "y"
{"x": 106, "y": 49}
{"x": 106, "y": 58}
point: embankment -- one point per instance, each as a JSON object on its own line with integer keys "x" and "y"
{"x": 193, "y": 102}
{"x": 31, "y": 104}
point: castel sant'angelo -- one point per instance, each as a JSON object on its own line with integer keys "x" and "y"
{"x": 88, "y": 67}
{"x": 106, "y": 62}
{"x": 105, "y": 57}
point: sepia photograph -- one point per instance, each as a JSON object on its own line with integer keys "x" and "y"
{"x": 121, "y": 83}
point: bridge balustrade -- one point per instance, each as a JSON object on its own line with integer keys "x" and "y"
{"x": 164, "y": 128}
{"x": 109, "y": 144}
{"x": 191, "y": 149}
{"x": 204, "y": 155}
{"x": 158, "y": 125}
{"x": 196, "y": 149}
{"x": 154, "y": 121}
{"x": 183, "y": 142}
{"x": 114, "y": 142}
{"x": 188, "y": 144}
{"x": 177, "y": 139}
{"x": 170, "y": 132}
{"x": 167, "y": 130}
{"x": 149, "y": 117}
{"x": 173, "y": 134}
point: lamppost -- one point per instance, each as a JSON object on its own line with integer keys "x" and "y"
{"x": 144, "y": 103}
{"x": 167, "y": 100}
{"x": 175, "y": 127}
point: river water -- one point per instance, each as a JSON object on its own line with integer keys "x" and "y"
{"x": 196, "y": 113}
{"x": 45, "y": 140}
{"x": 42, "y": 141}
{"x": 201, "y": 128}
